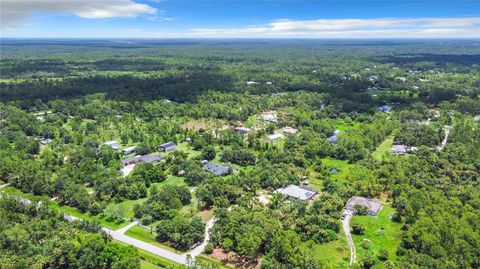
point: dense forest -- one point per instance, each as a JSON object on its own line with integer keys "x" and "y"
{"x": 397, "y": 122}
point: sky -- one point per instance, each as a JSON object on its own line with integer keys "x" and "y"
{"x": 239, "y": 19}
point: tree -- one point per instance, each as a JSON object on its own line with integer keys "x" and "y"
{"x": 358, "y": 228}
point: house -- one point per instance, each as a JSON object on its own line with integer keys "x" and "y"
{"x": 169, "y": 146}
{"x": 334, "y": 171}
{"x": 268, "y": 83}
{"x": 251, "y": 82}
{"x": 373, "y": 78}
{"x": 402, "y": 79}
{"x": 270, "y": 116}
{"x": 333, "y": 138}
{"x": 273, "y": 137}
{"x": 217, "y": 169}
{"x": 476, "y": 118}
{"x": 373, "y": 206}
{"x": 384, "y": 108}
{"x": 297, "y": 192}
{"x": 399, "y": 149}
{"x": 114, "y": 144}
{"x": 44, "y": 140}
{"x": 242, "y": 130}
{"x": 128, "y": 150}
{"x": 289, "y": 130}
{"x": 148, "y": 158}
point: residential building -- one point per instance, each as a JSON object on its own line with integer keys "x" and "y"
{"x": 169, "y": 146}
{"x": 128, "y": 150}
{"x": 297, "y": 192}
{"x": 114, "y": 144}
{"x": 373, "y": 206}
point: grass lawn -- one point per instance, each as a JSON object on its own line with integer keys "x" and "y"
{"x": 335, "y": 254}
{"x": 172, "y": 180}
{"x": 146, "y": 236}
{"x": 147, "y": 265}
{"x": 185, "y": 147}
{"x": 382, "y": 232}
{"x": 383, "y": 148}
{"x": 124, "y": 208}
{"x": 155, "y": 261}
{"x": 209, "y": 260}
{"x": 86, "y": 216}
{"x": 342, "y": 166}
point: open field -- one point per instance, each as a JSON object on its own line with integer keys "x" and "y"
{"x": 382, "y": 149}
{"x": 382, "y": 232}
{"x": 335, "y": 254}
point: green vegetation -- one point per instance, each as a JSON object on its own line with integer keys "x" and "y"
{"x": 381, "y": 233}
{"x": 147, "y": 236}
{"x": 383, "y": 149}
{"x": 61, "y": 103}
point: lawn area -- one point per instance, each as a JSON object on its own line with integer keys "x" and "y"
{"x": 146, "y": 236}
{"x": 173, "y": 180}
{"x": 209, "y": 260}
{"x": 185, "y": 147}
{"x": 154, "y": 261}
{"x": 382, "y": 232}
{"x": 342, "y": 166}
{"x": 383, "y": 148}
{"x": 105, "y": 222}
{"x": 335, "y": 254}
{"x": 125, "y": 208}
{"x": 341, "y": 125}
{"x": 147, "y": 265}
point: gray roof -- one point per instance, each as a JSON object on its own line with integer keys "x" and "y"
{"x": 148, "y": 158}
{"x": 216, "y": 168}
{"x": 301, "y": 193}
{"x": 373, "y": 206}
{"x": 168, "y": 144}
{"x": 333, "y": 138}
{"x": 384, "y": 108}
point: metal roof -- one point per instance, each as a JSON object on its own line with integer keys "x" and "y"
{"x": 297, "y": 192}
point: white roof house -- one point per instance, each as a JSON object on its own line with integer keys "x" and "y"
{"x": 301, "y": 193}
{"x": 399, "y": 149}
{"x": 273, "y": 137}
{"x": 114, "y": 144}
{"x": 270, "y": 116}
{"x": 128, "y": 150}
{"x": 251, "y": 82}
{"x": 289, "y": 130}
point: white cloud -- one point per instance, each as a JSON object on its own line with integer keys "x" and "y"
{"x": 15, "y": 13}
{"x": 467, "y": 27}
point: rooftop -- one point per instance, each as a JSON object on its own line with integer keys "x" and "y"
{"x": 148, "y": 158}
{"x": 215, "y": 168}
{"x": 301, "y": 193}
{"x": 373, "y": 206}
{"x": 168, "y": 144}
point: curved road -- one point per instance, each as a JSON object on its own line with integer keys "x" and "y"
{"x": 346, "y": 229}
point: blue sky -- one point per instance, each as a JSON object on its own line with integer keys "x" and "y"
{"x": 240, "y": 19}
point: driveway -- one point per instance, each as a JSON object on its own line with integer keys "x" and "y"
{"x": 346, "y": 229}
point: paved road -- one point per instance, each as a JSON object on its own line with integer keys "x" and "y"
{"x": 200, "y": 248}
{"x": 346, "y": 229}
{"x": 445, "y": 139}
{"x": 4, "y": 185}
{"x": 118, "y": 235}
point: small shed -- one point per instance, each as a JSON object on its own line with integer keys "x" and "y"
{"x": 273, "y": 137}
